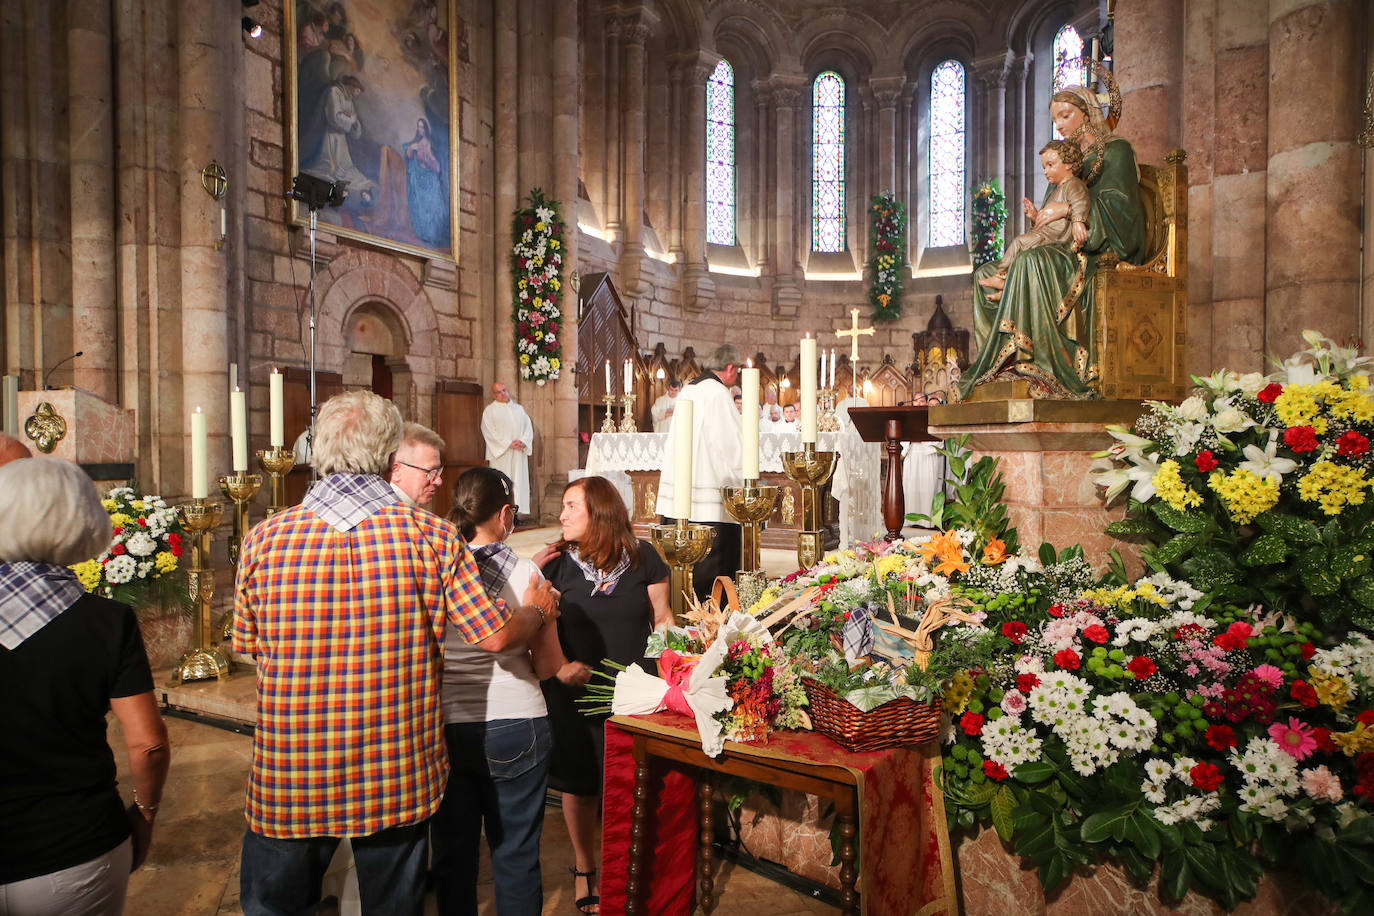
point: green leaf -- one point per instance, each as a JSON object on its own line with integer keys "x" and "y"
{"x": 1141, "y": 833}
{"x": 1294, "y": 530}
{"x": 1134, "y": 526}
{"x": 1175, "y": 877}
{"x": 1107, "y": 824}
{"x": 1314, "y": 566}
{"x": 1202, "y": 860}
{"x": 1136, "y": 865}
{"x": 1266, "y": 549}
{"x": 1047, "y": 554}
{"x": 1174, "y": 550}
{"x": 1349, "y": 561}
{"x": 979, "y": 794}
{"x": 1210, "y": 565}
{"x": 1192, "y": 522}
{"x": 1003, "y": 803}
{"x": 1055, "y": 872}
{"x": 1034, "y": 771}
{"x": 1331, "y": 533}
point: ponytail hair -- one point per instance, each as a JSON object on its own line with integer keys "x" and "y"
{"x": 478, "y": 494}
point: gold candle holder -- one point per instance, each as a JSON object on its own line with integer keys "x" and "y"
{"x": 277, "y": 462}
{"x": 240, "y": 487}
{"x": 828, "y": 421}
{"x": 682, "y": 545}
{"x": 627, "y": 417}
{"x": 608, "y": 424}
{"x": 202, "y": 660}
{"x": 811, "y": 469}
{"x": 750, "y": 505}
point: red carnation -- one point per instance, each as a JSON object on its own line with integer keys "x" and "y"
{"x": 1205, "y": 776}
{"x": 994, "y": 770}
{"x": 1027, "y": 681}
{"x": 1221, "y": 737}
{"x": 118, "y": 531}
{"x": 176, "y": 550}
{"x": 1234, "y": 637}
{"x": 971, "y": 723}
{"x": 1308, "y": 650}
{"x": 1324, "y": 742}
{"x": 1300, "y": 438}
{"x": 117, "y": 549}
{"x": 1066, "y": 658}
{"x": 143, "y": 523}
{"x": 1097, "y": 633}
{"x": 1303, "y": 693}
{"x": 1142, "y": 667}
{"x": 1056, "y": 610}
{"x": 1205, "y": 461}
{"x": 1351, "y": 444}
{"x": 1366, "y": 717}
{"x": 173, "y": 538}
{"x": 1269, "y": 393}
{"x": 1014, "y": 630}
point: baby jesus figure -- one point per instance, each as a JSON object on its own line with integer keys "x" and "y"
{"x": 1062, "y": 161}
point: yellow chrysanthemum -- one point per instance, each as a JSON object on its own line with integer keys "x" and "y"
{"x": 1173, "y": 490}
{"x": 139, "y": 505}
{"x": 525, "y": 358}
{"x": 121, "y": 520}
{"x": 539, "y": 226}
{"x": 555, "y": 284}
{"x": 165, "y": 561}
{"x": 1354, "y": 404}
{"x": 88, "y": 572}
{"x": 554, "y": 362}
{"x": 1332, "y": 691}
{"x": 770, "y": 594}
{"x": 955, "y": 697}
{"x": 109, "y": 504}
{"x": 1333, "y": 486}
{"x": 1244, "y": 494}
{"x": 1297, "y": 405}
{"x": 555, "y": 244}
{"x": 890, "y": 565}
{"x": 1358, "y": 382}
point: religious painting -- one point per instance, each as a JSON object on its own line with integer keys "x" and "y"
{"x": 371, "y": 102}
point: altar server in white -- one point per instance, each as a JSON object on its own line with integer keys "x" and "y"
{"x": 662, "y": 410}
{"x": 716, "y": 456}
{"x": 510, "y": 436}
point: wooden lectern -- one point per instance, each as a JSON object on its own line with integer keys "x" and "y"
{"x": 893, "y": 425}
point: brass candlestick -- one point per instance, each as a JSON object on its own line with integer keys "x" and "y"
{"x": 202, "y": 660}
{"x": 608, "y": 424}
{"x": 627, "y": 417}
{"x": 240, "y": 487}
{"x": 828, "y": 421}
{"x": 277, "y": 462}
{"x": 750, "y": 505}
{"x": 811, "y": 469}
{"x": 682, "y": 545}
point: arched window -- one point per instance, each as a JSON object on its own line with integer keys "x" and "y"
{"x": 720, "y": 155}
{"x": 1068, "y": 54}
{"x": 948, "y": 173}
{"x": 827, "y": 162}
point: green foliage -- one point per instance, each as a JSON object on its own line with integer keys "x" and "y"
{"x": 977, "y": 503}
{"x": 989, "y": 216}
{"x": 889, "y": 253}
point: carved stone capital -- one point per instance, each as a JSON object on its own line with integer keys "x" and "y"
{"x": 787, "y": 90}
{"x": 635, "y": 33}
{"x": 992, "y": 71}
{"x": 887, "y": 90}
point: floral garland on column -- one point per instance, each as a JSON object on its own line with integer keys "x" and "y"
{"x": 885, "y": 267}
{"x": 535, "y": 262}
{"x": 989, "y": 216}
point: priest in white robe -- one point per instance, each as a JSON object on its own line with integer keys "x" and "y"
{"x": 716, "y": 455}
{"x": 509, "y": 435}
{"x": 662, "y": 409}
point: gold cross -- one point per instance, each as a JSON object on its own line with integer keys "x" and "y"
{"x": 853, "y": 335}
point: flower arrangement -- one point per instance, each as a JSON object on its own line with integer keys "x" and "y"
{"x": 137, "y": 567}
{"x": 1259, "y": 486}
{"x": 989, "y": 216}
{"x": 885, "y": 267}
{"x": 536, "y": 262}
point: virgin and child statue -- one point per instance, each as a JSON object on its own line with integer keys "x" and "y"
{"x": 1033, "y": 311}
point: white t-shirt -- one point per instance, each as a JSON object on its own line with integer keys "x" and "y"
{"x": 483, "y": 686}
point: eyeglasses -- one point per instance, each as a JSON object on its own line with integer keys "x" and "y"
{"x": 431, "y": 473}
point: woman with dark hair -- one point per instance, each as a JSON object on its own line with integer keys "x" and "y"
{"x": 614, "y": 593}
{"x": 496, "y": 724}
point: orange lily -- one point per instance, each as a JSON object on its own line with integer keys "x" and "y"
{"x": 946, "y": 549}
{"x": 995, "y": 552}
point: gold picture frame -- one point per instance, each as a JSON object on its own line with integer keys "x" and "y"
{"x": 371, "y": 100}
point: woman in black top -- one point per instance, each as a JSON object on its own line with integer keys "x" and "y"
{"x": 67, "y": 842}
{"x": 614, "y": 592}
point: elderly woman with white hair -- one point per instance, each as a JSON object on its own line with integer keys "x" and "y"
{"x": 67, "y": 842}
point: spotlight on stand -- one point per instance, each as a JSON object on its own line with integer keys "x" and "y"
{"x": 252, "y": 27}
{"x": 317, "y": 193}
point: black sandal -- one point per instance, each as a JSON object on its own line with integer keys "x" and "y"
{"x": 582, "y": 903}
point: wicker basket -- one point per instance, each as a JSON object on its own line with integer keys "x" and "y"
{"x": 896, "y": 723}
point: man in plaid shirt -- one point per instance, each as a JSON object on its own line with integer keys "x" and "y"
{"x": 343, "y": 600}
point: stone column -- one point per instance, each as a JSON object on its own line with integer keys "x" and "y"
{"x": 1149, "y": 67}
{"x": 1313, "y": 213}
{"x": 612, "y": 177}
{"x": 632, "y": 161}
{"x": 506, "y": 194}
{"x": 992, "y": 73}
{"x": 1019, "y": 180}
{"x": 763, "y": 224}
{"x": 204, "y": 276}
{"x": 787, "y": 93}
{"x": 905, "y": 160}
{"x": 886, "y": 91}
{"x": 673, "y": 231}
{"x": 90, "y": 120}
{"x": 698, "y": 289}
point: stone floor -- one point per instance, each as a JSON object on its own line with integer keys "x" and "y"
{"x": 193, "y": 867}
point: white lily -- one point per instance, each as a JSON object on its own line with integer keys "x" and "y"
{"x": 1264, "y": 462}
{"x": 1186, "y": 437}
{"x": 1127, "y": 444}
{"x": 1222, "y": 382}
{"x": 1143, "y": 473}
{"x": 1114, "y": 479}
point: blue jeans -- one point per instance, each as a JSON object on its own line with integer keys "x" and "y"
{"x": 282, "y": 877}
{"x": 498, "y": 772}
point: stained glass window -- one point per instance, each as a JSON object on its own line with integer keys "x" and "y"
{"x": 827, "y": 163}
{"x": 948, "y": 175}
{"x": 1068, "y": 63}
{"x": 720, "y": 155}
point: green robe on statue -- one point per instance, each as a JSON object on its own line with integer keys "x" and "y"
{"x": 1041, "y": 330}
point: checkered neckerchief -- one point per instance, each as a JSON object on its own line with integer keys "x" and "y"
{"x": 344, "y": 501}
{"x": 496, "y": 564}
{"x": 31, "y": 595}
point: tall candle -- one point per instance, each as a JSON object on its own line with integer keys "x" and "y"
{"x": 608, "y": 376}
{"x": 832, "y": 367}
{"x": 238, "y": 428}
{"x": 749, "y": 381}
{"x": 277, "y": 410}
{"x": 682, "y": 458}
{"x": 629, "y": 377}
{"x": 822, "y": 381}
{"x": 808, "y": 389}
{"x": 11, "y": 405}
{"x": 200, "y": 453}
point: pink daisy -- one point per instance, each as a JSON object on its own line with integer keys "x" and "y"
{"x": 1322, "y": 784}
{"x": 1270, "y": 675}
{"x": 1294, "y": 739}
{"x": 1013, "y": 703}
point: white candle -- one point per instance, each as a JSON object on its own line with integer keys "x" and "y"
{"x": 608, "y": 376}
{"x": 808, "y": 389}
{"x": 223, "y": 223}
{"x": 277, "y": 409}
{"x": 11, "y": 405}
{"x": 629, "y": 377}
{"x": 822, "y": 368}
{"x": 749, "y": 381}
{"x": 682, "y": 459}
{"x": 832, "y": 367}
{"x": 200, "y": 453}
{"x": 238, "y": 428}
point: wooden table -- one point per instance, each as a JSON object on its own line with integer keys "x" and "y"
{"x": 835, "y": 783}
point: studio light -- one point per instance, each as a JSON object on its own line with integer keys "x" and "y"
{"x": 252, "y": 27}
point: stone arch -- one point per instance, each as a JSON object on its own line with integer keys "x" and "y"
{"x": 830, "y": 47}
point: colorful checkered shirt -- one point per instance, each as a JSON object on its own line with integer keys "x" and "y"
{"x": 348, "y": 629}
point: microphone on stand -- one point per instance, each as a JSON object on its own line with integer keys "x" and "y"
{"x": 46, "y": 386}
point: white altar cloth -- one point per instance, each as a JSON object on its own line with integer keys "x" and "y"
{"x": 644, "y": 451}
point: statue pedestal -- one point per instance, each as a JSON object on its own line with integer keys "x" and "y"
{"x": 1045, "y": 449}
